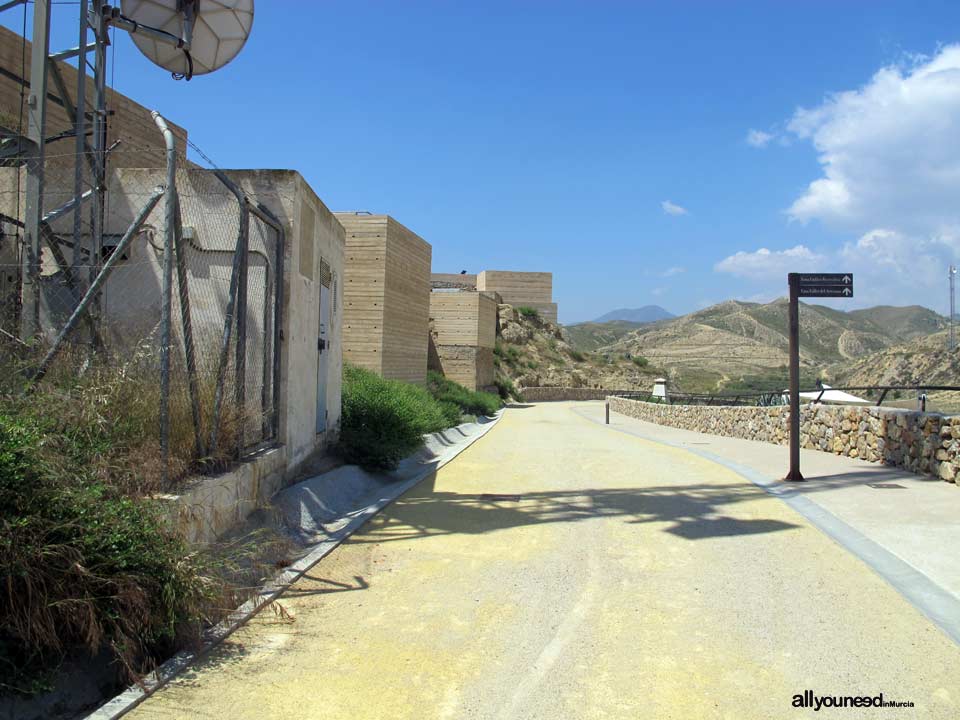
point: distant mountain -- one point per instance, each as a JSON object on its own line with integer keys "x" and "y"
{"x": 588, "y": 336}
{"x": 645, "y": 314}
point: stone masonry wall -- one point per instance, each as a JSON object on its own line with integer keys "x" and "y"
{"x": 547, "y": 394}
{"x": 924, "y": 443}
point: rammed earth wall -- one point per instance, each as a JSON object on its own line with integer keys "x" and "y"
{"x": 924, "y": 443}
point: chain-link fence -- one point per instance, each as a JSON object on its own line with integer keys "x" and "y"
{"x": 170, "y": 289}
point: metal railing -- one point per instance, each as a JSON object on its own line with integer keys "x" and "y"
{"x": 780, "y": 397}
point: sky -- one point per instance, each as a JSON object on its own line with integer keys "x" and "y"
{"x": 675, "y": 153}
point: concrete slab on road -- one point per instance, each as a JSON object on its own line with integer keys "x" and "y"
{"x": 561, "y": 569}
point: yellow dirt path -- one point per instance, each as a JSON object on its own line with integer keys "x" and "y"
{"x": 626, "y": 579}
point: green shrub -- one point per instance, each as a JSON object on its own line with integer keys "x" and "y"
{"x": 507, "y": 390}
{"x": 467, "y": 401}
{"x": 529, "y": 312}
{"x": 508, "y": 353}
{"x": 383, "y": 421}
{"x": 577, "y": 356}
{"x": 640, "y": 361}
{"x": 87, "y": 565}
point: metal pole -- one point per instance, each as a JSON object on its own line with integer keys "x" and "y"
{"x": 170, "y": 215}
{"x": 80, "y": 126}
{"x": 278, "y": 283}
{"x": 189, "y": 349}
{"x": 228, "y": 326}
{"x": 36, "y": 129}
{"x": 99, "y": 136}
{"x": 607, "y": 405}
{"x": 794, "y": 474}
{"x": 182, "y": 281}
{"x": 240, "y": 387}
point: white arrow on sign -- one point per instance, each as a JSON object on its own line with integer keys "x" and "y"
{"x": 847, "y": 280}
{"x": 846, "y": 291}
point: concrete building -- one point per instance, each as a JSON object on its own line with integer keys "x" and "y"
{"x": 522, "y": 289}
{"x": 386, "y": 297}
{"x": 310, "y": 362}
{"x": 464, "y": 332}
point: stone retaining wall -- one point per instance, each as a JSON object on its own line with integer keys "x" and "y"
{"x": 546, "y": 394}
{"x": 924, "y": 443}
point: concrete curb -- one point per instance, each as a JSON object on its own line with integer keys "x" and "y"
{"x": 941, "y": 607}
{"x": 136, "y": 694}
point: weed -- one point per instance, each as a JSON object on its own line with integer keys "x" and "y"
{"x": 529, "y": 312}
{"x": 465, "y": 401}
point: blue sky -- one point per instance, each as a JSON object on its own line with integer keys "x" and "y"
{"x": 671, "y": 153}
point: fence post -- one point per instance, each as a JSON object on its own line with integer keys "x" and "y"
{"x": 166, "y": 303}
{"x": 240, "y": 387}
{"x": 607, "y": 405}
{"x": 189, "y": 349}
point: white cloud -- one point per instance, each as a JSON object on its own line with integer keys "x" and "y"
{"x": 672, "y": 209}
{"x": 888, "y": 150}
{"x": 771, "y": 264}
{"x": 758, "y": 138}
{"x": 675, "y": 270}
{"x": 889, "y": 268}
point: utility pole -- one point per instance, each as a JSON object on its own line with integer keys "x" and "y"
{"x": 952, "y": 344}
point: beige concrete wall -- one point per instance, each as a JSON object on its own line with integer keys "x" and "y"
{"x": 467, "y": 365}
{"x": 522, "y": 289}
{"x": 464, "y": 333}
{"x": 406, "y": 304}
{"x": 364, "y": 289}
{"x": 387, "y": 297}
{"x": 463, "y": 318}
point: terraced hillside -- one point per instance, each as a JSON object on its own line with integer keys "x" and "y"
{"x": 734, "y": 341}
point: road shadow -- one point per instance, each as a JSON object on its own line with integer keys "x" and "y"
{"x": 693, "y": 511}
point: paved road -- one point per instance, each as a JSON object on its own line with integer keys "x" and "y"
{"x": 625, "y": 579}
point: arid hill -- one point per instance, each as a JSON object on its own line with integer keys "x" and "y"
{"x": 732, "y": 341}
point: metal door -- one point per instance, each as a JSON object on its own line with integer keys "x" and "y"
{"x": 323, "y": 352}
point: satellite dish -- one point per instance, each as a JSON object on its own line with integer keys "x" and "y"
{"x": 220, "y": 30}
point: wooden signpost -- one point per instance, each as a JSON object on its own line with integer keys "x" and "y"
{"x": 831, "y": 285}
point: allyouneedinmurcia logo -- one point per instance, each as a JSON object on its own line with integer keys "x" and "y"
{"x": 809, "y": 699}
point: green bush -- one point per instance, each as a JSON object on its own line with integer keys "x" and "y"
{"x": 86, "y": 565}
{"x": 640, "y": 361}
{"x": 529, "y": 312}
{"x": 383, "y": 421}
{"x": 467, "y": 401}
{"x": 577, "y": 356}
{"x": 507, "y": 390}
{"x": 509, "y": 353}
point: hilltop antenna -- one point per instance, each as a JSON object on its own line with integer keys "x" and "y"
{"x": 951, "y": 273}
{"x": 187, "y": 37}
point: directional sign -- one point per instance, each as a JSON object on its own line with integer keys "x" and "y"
{"x": 824, "y": 278}
{"x": 838, "y": 291}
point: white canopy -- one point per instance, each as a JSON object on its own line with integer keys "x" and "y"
{"x": 832, "y": 396}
